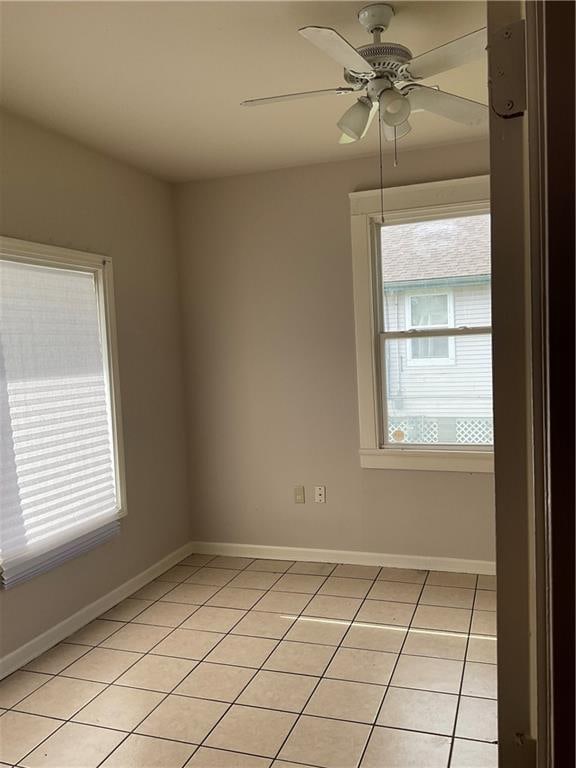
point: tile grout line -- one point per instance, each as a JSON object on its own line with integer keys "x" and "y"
{"x": 198, "y": 662}
{"x": 267, "y": 709}
{"x": 92, "y": 647}
{"x": 311, "y": 596}
{"x": 323, "y": 676}
{"x": 168, "y": 693}
{"x": 479, "y": 740}
{"x": 453, "y": 738}
{"x": 108, "y": 685}
{"x": 57, "y": 674}
{"x": 388, "y": 685}
{"x": 349, "y": 622}
{"x": 246, "y": 612}
{"x": 260, "y": 669}
{"x": 51, "y": 675}
{"x": 299, "y": 674}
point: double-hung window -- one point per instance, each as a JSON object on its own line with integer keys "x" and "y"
{"x": 423, "y": 326}
{"x": 61, "y": 490}
{"x": 430, "y": 309}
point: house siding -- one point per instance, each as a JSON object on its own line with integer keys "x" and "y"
{"x": 457, "y": 389}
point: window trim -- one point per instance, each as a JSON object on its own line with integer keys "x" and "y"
{"x": 42, "y": 254}
{"x": 413, "y": 203}
{"x": 418, "y": 362}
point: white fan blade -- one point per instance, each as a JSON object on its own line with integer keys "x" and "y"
{"x": 339, "y": 49}
{"x": 345, "y": 139}
{"x": 292, "y": 96}
{"x": 450, "y": 55}
{"x": 448, "y": 105}
{"x": 401, "y": 130}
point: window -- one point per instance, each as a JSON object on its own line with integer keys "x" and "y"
{"x": 423, "y": 326}
{"x": 430, "y": 310}
{"x": 61, "y": 489}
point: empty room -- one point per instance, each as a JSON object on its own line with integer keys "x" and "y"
{"x": 273, "y": 327}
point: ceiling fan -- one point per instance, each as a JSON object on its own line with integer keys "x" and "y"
{"x": 388, "y": 76}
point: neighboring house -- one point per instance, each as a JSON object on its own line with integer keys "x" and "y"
{"x": 437, "y": 274}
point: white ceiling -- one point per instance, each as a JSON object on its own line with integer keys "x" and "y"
{"x": 158, "y": 84}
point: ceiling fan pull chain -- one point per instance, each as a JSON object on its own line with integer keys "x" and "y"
{"x": 395, "y": 148}
{"x": 381, "y": 166}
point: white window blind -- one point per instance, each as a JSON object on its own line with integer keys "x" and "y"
{"x": 59, "y": 491}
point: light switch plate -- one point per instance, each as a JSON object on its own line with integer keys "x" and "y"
{"x": 299, "y": 494}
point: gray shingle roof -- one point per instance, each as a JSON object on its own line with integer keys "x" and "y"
{"x": 425, "y": 250}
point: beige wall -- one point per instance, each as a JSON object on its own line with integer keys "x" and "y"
{"x": 54, "y": 191}
{"x": 267, "y": 296}
{"x": 266, "y": 287}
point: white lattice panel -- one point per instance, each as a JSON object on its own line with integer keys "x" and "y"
{"x": 430, "y": 432}
{"x": 415, "y": 430}
{"x": 393, "y": 427}
{"x": 474, "y": 431}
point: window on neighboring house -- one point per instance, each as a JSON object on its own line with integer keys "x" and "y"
{"x": 430, "y": 310}
{"x": 61, "y": 490}
{"x": 423, "y": 326}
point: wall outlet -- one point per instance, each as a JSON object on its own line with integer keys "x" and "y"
{"x": 299, "y": 495}
{"x": 320, "y": 494}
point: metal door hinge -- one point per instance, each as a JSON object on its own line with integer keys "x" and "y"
{"x": 507, "y": 70}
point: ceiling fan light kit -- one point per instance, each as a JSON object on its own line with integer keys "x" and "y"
{"x": 355, "y": 120}
{"x": 388, "y": 75}
{"x": 394, "y": 106}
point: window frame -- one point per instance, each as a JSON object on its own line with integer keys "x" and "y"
{"x": 430, "y": 361}
{"x": 408, "y": 204}
{"x": 12, "y": 249}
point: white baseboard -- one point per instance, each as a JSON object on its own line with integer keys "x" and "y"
{"x": 426, "y": 562}
{"x": 59, "y": 632}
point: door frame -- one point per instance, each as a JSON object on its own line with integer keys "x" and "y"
{"x": 533, "y": 466}
{"x": 558, "y": 343}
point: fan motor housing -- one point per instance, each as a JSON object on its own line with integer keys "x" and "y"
{"x": 386, "y": 59}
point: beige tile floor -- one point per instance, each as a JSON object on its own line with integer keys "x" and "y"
{"x": 230, "y": 662}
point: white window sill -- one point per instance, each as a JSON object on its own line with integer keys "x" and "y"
{"x": 430, "y": 460}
